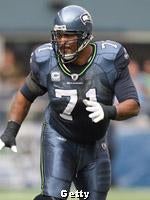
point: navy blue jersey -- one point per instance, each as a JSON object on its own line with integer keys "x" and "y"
{"x": 99, "y": 80}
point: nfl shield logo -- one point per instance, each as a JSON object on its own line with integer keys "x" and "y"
{"x": 55, "y": 76}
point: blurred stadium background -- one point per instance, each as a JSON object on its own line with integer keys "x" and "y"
{"x": 26, "y": 24}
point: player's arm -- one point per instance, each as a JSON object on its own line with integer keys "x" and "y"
{"x": 127, "y": 109}
{"x": 125, "y": 90}
{"x": 126, "y": 94}
{"x": 19, "y": 109}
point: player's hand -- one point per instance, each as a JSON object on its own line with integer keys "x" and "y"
{"x": 13, "y": 147}
{"x": 100, "y": 111}
{"x": 97, "y": 112}
{"x": 8, "y": 137}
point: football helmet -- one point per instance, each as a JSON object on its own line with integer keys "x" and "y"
{"x": 72, "y": 20}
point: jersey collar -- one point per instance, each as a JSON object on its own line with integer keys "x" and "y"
{"x": 75, "y": 76}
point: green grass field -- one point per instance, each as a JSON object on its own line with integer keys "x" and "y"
{"x": 114, "y": 194}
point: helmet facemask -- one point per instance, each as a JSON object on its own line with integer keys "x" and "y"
{"x": 79, "y": 44}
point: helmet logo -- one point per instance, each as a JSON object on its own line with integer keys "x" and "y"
{"x": 60, "y": 28}
{"x": 86, "y": 18}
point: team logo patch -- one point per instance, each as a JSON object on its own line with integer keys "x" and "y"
{"x": 74, "y": 77}
{"x": 86, "y": 18}
{"x": 55, "y": 76}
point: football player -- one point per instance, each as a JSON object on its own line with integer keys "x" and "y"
{"x": 81, "y": 78}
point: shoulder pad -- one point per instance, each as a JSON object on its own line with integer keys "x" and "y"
{"x": 108, "y": 49}
{"x": 43, "y": 53}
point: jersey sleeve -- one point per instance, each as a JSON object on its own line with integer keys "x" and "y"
{"x": 122, "y": 60}
{"x": 124, "y": 87}
{"x": 36, "y": 82}
{"x": 35, "y": 70}
{"x": 31, "y": 89}
{"x": 40, "y": 63}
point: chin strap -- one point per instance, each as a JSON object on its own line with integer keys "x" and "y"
{"x": 85, "y": 43}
